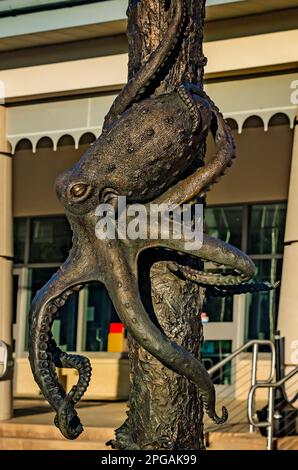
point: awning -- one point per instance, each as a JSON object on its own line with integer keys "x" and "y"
{"x": 238, "y": 99}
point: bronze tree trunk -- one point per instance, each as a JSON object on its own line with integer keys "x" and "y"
{"x": 165, "y": 410}
{"x": 151, "y": 151}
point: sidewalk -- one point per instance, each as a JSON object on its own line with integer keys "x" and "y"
{"x": 92, "y": 413}
{"x": 32, "y": 428}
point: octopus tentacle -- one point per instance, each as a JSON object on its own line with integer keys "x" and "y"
{"x": 43, "y": 354}
{"x": 201, "y": 180}
{"x": 138, "y": 84}
{"x": 218, "y": 284}
{"x": 188, "y": 100}
{"x": 215, "y": 291}
{"x": 73, "y": 361}
{"x": 221, "y": 165}
{"x": 212, "y": 250}
{"x": 205, "y": 279}
{"x": 123, "y": 289}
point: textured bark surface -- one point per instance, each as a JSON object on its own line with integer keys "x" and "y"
{"x": 165, "y": 410}
{"x": 151, "y": 149}
{"x": 148, "y": 23}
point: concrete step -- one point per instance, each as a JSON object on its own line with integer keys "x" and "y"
{"x": 45, "y": 431}
{"x": 235, "y": 441}
{"x": 247, "y": 441}
{"x": 22, "y": 443}
{"x": 15, "y": 436}
{"x": 288, "y": 443}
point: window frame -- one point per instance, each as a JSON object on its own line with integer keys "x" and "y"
{"x": 244, "y": 243}
{"x": 26, "y": 265}
{"x": 23, "y": 299}
{"x": 245, "y": 222}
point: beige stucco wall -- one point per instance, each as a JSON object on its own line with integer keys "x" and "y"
{"x": 261, "y": 169}
{"x": 288, "y": 306}
{"x": 117, "y": 385}
{"x": 287, "y": 317}
{"x": 109, "y": 379}
{"x": 260, "y": 173}
{"x": 34, "y": 176}
{"x": 226, "y": 57}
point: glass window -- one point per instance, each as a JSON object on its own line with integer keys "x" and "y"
{"x": 64, "y": 328}
{"x": 50, "y": 240}
{"x": 99, "y": 314}
{"x": 265, "y": 245}
{"x": 212, "y": 353}
{"x": 266, "y": 228}
{"x": 225, "y": 223}
{"x": 20, "y": 226}
{"x": 219, "y": 309}
{"x": 262, "y": 306}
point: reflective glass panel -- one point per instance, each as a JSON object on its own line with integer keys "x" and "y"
{"x": 212, "y": 353}
{"x": 225, "y": 223}
{"x": 99, "y": 314}
{"x": 50, "y": 240}
{"x": 266, "y": 229}
{"x": 262, "y": 306}
{"x": 219, "y": 309}
{"x": 64, "y": 328}
{"x": 20, "y": 226}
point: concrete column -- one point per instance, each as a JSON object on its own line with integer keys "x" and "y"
{"x": 6, "y": 263}
{"x": 288, "y": 306}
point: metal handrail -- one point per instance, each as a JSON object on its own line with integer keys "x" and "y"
{"x": 250, "y": 406}
{"x": 255, "y": 343}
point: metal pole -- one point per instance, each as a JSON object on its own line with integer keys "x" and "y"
{"x": 270, "y": 428}
{"x": 254, "y": 373}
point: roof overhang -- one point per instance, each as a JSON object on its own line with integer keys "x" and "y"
{"x": 263, "y": 53}
{"x": 76, "y": 21}
{"x": 239, "y": 100}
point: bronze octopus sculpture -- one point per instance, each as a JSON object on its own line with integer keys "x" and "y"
{"x": 168, "y": 129}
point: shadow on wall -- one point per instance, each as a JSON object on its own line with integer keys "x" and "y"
{"x": 262, "y": 167}
{"x": 35, "y": 173}
{"x": 260, "y": 173}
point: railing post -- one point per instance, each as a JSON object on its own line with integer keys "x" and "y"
{"x": 270, "y": 428}
{"x": 254, "y": 374}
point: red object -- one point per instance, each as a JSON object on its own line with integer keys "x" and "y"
{"x": 116, "y": 327}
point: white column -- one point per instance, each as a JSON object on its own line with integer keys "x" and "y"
{"x": 239, "y": 317}
{"x": 6, "y": 254}
{"x": 288, "y": 306}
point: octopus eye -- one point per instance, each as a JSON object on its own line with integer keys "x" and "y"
{"x": 80, "y": 191}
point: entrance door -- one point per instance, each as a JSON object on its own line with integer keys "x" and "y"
{"x": 222, "y": 336}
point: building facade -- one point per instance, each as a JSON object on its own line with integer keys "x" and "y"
{"x": 61, "y": 66}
